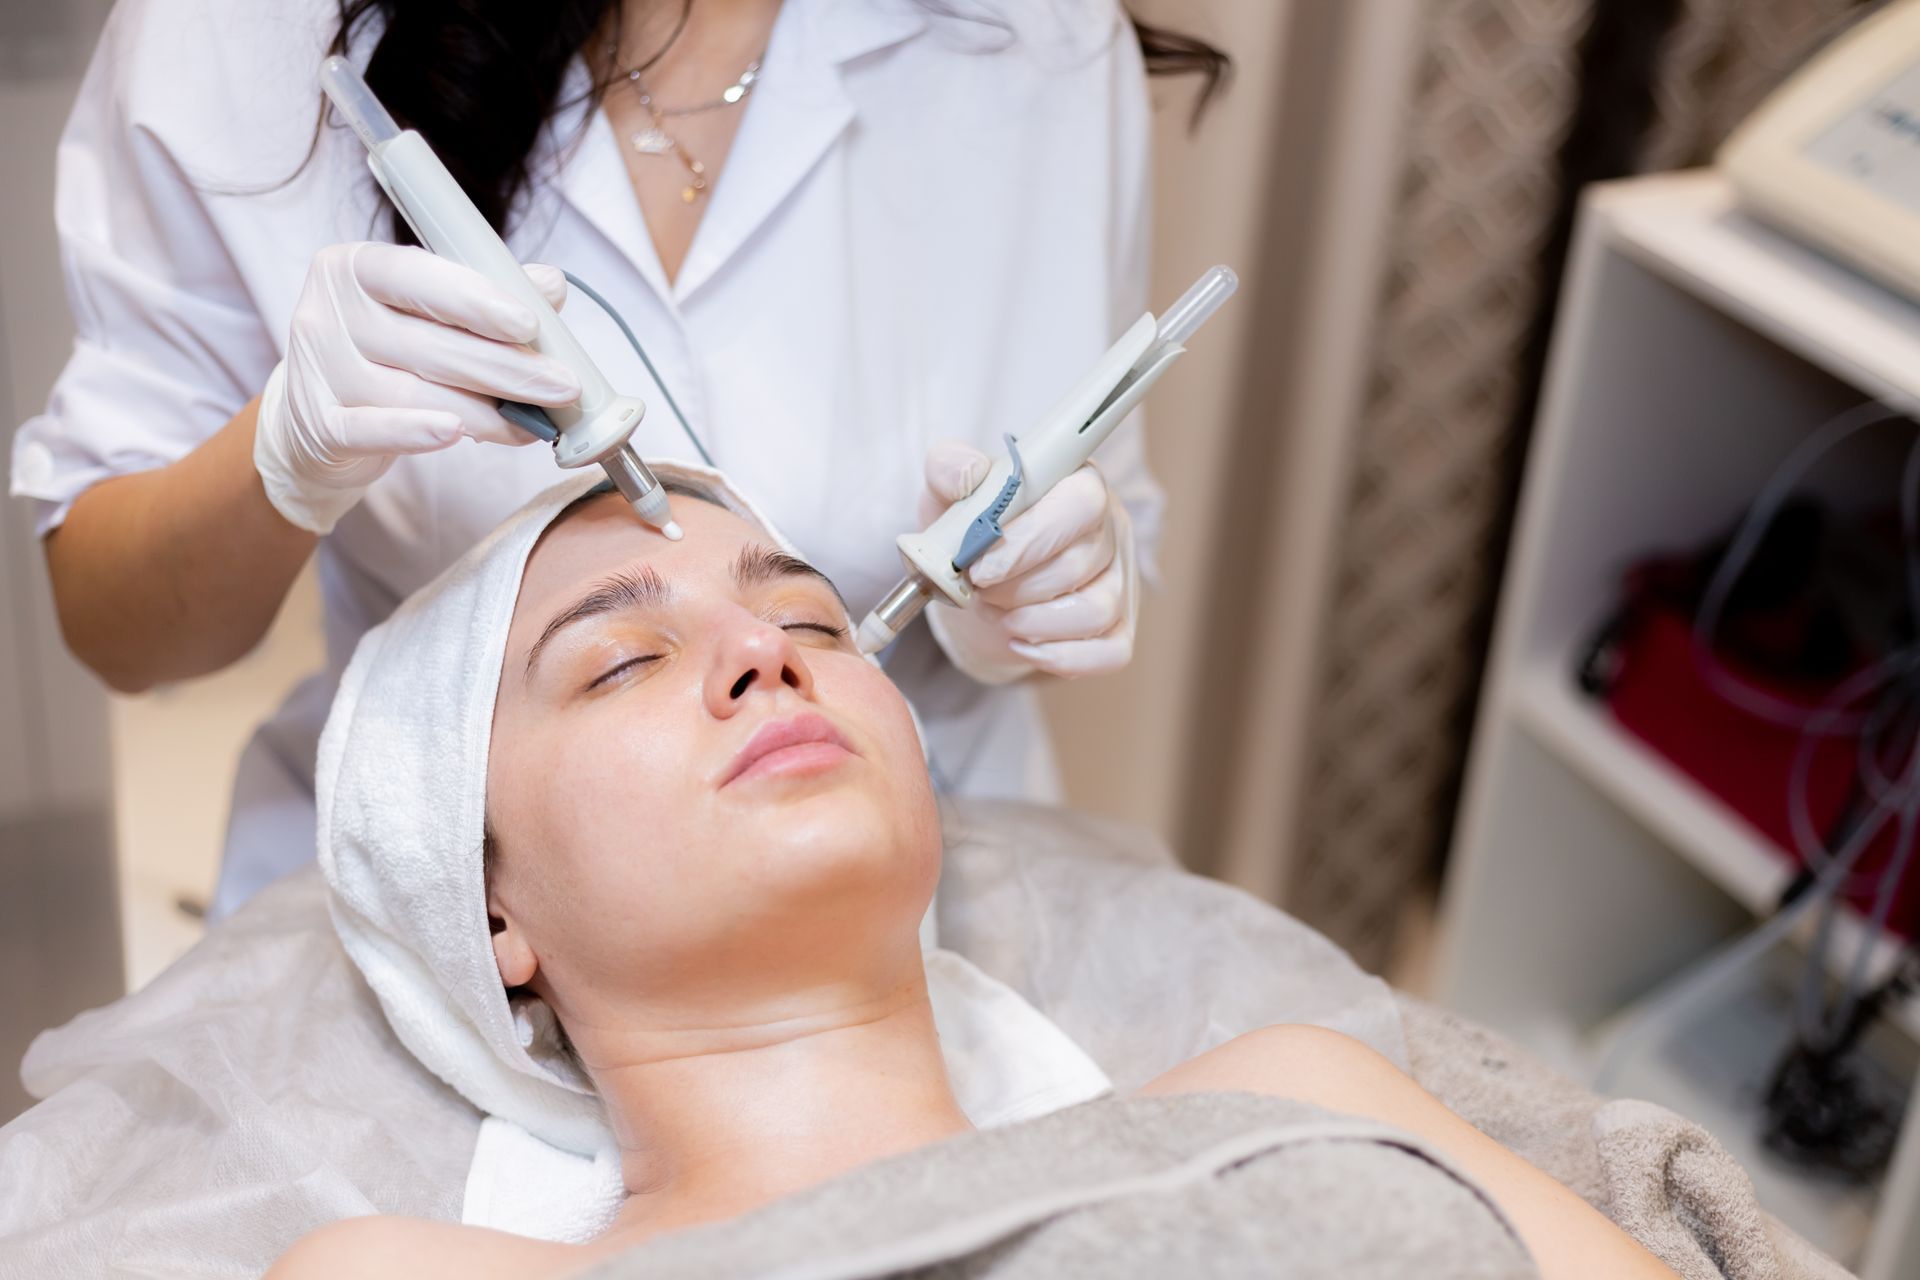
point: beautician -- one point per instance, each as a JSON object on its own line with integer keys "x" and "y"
{"x": 847, "y": 231}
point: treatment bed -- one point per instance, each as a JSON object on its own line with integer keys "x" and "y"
{"x": 254, "y": 1091}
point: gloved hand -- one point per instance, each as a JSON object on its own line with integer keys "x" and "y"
{"x": 1058, "y": 593}
{"x": 394, "y": 350}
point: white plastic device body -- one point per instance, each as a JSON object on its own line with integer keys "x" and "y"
{"x": 1053, "y": 449}
{"x": 448, "y": 223}
{"x": 1833, "y": 156}
{"x": 594, "y": 429}
{"x": 1063, "y": 440}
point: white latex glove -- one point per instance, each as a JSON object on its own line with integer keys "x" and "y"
{"x": 1058, "y": 593}
{"x": 394, "y": 350}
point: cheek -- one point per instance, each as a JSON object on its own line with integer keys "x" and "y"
{"x": 578, "y": 813}
{"x": 856, "y": 691}
{"x": 866, "y": 696}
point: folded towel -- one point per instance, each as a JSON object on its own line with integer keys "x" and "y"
{"x": 1197, "y": 1185}
{"x": 1662, "y": 1179}
{"x": 1677, "y": 1191}
{"x": 400, "y": 788}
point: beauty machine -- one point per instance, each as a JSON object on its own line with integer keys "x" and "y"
{"x": 938, "y": 556}
{"x": 595, "y": 429}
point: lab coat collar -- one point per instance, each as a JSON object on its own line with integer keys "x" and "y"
{"x": 849, "y": 29}
{"x": 799, "y": 108}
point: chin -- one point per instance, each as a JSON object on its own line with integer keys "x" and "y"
{"x": 842, "y": 840}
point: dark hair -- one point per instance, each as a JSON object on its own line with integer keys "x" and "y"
{"x": 480, "y": 80}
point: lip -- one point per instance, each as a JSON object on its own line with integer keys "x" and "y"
{"x": 806, "y": 743}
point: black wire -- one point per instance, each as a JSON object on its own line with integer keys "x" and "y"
{"x": 1820, "y": 1110}
{"x": 641, "y": 351}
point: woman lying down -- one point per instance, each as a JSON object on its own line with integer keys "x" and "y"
{"x": 681, "y": 902}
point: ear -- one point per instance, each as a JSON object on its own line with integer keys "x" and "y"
{"x": 512, "y": 954}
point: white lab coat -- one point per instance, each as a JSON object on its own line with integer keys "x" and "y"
{"x": 926, "y": 227}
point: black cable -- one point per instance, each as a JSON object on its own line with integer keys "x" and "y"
{"x": 1821, "y": 1110}
{"x": 641, "y": 351}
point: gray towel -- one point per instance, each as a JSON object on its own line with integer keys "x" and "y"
{"x": 1662, "y": 1179}
{"x": 1679, "y": 1193}
{"x": 1195, "y": 1186}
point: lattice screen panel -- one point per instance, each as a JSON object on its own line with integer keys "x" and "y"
{"x": 1495, "y": 95}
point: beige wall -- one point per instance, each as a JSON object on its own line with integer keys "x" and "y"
{"x": 1292, "y": 182}
{"x": 1122, "y": 738}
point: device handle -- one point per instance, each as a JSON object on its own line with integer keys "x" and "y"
{"x": 1051, "y": 451}
{"x": 448, "y": 223}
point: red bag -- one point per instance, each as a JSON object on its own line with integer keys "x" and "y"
{"x": 1658, "y": 693}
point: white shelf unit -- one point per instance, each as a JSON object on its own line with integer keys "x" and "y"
{"x": 1694, "y": 349}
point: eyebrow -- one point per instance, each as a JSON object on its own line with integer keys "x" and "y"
{"x": 644, "y": 588}
{"x": 759, "y": 564}
{"x": 641, "y": 588}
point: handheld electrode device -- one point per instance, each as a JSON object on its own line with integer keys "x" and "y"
{"x": 938, "y": 556}
{"x": 596, "y": 428}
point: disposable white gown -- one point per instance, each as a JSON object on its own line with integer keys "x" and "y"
{"x": 927, "y": 228}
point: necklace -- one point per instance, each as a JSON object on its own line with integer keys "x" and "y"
{"x": 656, "y": 141}
{"x": 732, "y": 94}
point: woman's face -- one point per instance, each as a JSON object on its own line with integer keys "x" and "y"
{"x": 702, "y": 798}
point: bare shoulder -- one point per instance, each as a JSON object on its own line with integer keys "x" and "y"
{"x": 1291, "y": 1061}
{"x": 372, "y": 1248}
{"x": 1566, "y": 1236}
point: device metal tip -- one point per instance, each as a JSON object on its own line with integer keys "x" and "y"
{"x": 873, "y": 635}
{"x": 672, "y": 531}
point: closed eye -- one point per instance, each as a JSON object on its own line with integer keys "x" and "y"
{"x": 621, "y": 668}
{"x": 823, "y": 628}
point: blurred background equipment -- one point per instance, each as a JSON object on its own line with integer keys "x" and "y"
{"x": 1776, "y": 669}
{"x": 1624, "y": 887}
{"x": 1831, "y": 156}
{"x": 1701, "y": 882}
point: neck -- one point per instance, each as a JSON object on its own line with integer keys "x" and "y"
{"x": 712, "y": 34}
{"x": 715, "y": 1123}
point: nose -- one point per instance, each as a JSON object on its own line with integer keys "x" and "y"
{"x": 753, "y": 656}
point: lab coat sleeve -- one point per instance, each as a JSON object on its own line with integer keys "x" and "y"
{"x": 1123, "y": 458}
{"x": 168, "y": 344}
